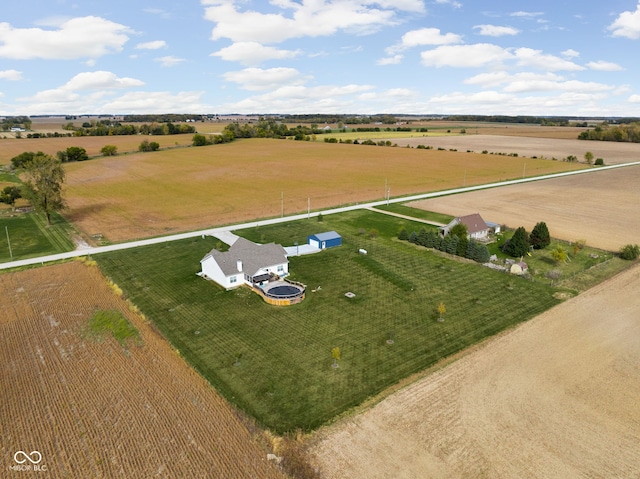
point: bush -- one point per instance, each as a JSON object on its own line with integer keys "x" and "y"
{"x": 630, "y": 252}
{"x": 599, "y": 162}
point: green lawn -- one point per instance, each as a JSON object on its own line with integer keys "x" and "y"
{"x": 275, "y": 362}
{"x": 416, "y": 213}
{"x": 30, "y": 236}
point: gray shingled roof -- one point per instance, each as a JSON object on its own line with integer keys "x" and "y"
{"x": 329, "y": 235}
{"x": 253, "y": 256}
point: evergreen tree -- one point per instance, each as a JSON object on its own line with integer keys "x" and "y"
{"x": 539, "y": 237}
{"x": 432, "y": 237}
{"x": 422, "y": 237}
{"x": 403, "y": 235}
{"x": 518, "y": 245}
{"x": 472, "y": 249}
{"x": 451, "y": 244}
{"x": 461, "y": 249}
{"x": 413, "y": 237}
{"x": 482, "y": 254}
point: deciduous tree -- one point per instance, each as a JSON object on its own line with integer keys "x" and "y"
{"x": 43, "y": 185}
{"x": 109, "y": 150}
{"x": 9, "y": 195}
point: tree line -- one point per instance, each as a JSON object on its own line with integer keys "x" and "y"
{"x": 456, "y": 242}
{"x": 605, "y": 132}
{"x": 115, "y": 128}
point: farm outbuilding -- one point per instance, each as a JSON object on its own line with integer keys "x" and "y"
{"x": 325, "y": 240}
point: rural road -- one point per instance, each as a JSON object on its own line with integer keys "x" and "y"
{"x": 252, "y": 224}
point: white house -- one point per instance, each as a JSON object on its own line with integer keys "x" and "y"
{"x": 476, "y": 226}
{"x": 245, "y": 263}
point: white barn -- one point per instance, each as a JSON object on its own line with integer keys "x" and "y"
{"x": 245, "y": 263}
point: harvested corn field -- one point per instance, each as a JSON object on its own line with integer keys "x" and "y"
{"x": 94, "y": 408}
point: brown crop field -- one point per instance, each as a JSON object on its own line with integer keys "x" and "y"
{"x": 527, "y": 144}
{"x": 95, "y": 409}
{"x": 143, "y": 195}
{"x": 11, "y": 147}
{"x": 557, "y": 397}
{"x": 601, "y": 207}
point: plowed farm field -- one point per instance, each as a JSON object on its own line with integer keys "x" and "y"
{"x": 137, "y": 196}
{"x": 11, "y": 147}
{"x": 557, "y": 397}
{"x": 94, "y": 408}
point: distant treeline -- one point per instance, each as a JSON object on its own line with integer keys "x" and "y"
{"x": 605, "y": 132}
{"x": 9, "y": 122}
{"x": 164, "y": 118}
{"x": 534, "y": 120}
{"x": 345, "y": 119}
{"x": 115, "y": 128}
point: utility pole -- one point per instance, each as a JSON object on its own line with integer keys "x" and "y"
{"x": 524, "y": 167}
{"x": 6, "y": 228}
{"x": 282, "y": 202}
{"x": 308, "y": 207}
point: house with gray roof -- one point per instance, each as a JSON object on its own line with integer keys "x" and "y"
{"x": 245, "y": 263}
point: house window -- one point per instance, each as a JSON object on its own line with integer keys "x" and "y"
{"x": 280, "y": 269}
{"x": 233, "y": 279}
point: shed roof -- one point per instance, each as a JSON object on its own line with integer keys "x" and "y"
{"x": 326, "y": 236}
{"x": 254, "y": 257}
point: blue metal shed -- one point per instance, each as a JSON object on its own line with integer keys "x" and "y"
{"x": 325, "y": 240}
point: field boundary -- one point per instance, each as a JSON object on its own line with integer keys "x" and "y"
{"x": 285, "y": 219}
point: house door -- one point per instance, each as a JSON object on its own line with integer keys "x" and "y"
{"x": 324, "y": 244}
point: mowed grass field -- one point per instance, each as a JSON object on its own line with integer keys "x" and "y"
{"x": 275, "y": 362}
{"x": 30, "y": 236}
{"x": 151, "y": 194}
{"x": 10, "y": 147}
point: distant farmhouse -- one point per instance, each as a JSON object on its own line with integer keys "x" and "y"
{"x": 245, "y": 263}
{"x": 477, "y": 228}
{"x": 324, "y": 240}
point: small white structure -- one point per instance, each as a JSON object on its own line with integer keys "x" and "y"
{"x": 362, "y": 251}
{"x": 519, "y": 268}
{"x": 245, "y": 263}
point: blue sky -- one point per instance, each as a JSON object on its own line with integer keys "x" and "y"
{"x": 321, "y": 56}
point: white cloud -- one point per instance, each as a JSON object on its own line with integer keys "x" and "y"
{"x": 298, "y": 99}
{"x": 257, "y": 79}
{"x": 11, "y": 75}
{"x": 154, "y": 45}
{"x": 426, "y": 36}
{"x": 522, "y": 14}
{"x": 627, "y": 24}
{"x": 575, "y": 86}
{"x": 604, "y": 66}
{"x": 495, "y": 79}
{"x": 528, "y": 57}
{"x": 86, "y": 37}
{"x": 453, "y": 3}
{"x": 634, "y": 99}
{"x": 252, "y": 53}
{"x": 495, "y": 30}
{"x": 169, "y": 61}
{"x": 100, "y": 80}
{"x": 394, "y": 60}
{"x": 465, "y": 56}
{"x": 311, "y": 18}
{"x": 570, "y": 53}
{"x": 156, "y": 102}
